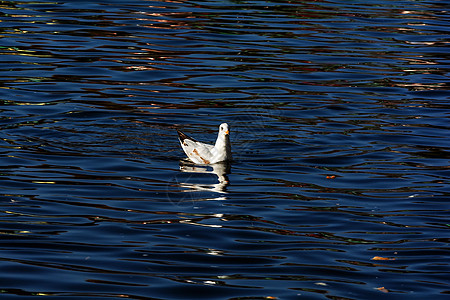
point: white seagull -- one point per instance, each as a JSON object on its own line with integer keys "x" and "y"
{"x": 201, "y": 153}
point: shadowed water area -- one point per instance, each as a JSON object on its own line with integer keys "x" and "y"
{"x": 339, "y": 115}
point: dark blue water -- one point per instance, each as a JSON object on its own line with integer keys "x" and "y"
{"x": 339, "y": 115}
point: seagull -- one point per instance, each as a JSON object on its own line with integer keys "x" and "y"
{"x": 201, "y": 153}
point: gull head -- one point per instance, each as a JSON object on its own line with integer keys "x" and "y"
{"x": 223, "y": 129}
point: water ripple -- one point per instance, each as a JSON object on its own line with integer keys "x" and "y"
{"x": 338, "y": 113}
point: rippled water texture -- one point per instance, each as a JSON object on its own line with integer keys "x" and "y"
{"x": 339, "y": 115}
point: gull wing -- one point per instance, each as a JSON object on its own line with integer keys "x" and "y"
{"x": 198, "y": 152}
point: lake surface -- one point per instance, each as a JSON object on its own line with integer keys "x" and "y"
{"x": 339, "y": 114}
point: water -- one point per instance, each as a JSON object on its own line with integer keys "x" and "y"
{"x": 339, "y": 187}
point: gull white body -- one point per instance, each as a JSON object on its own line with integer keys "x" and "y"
{"x": 205, "y": 154}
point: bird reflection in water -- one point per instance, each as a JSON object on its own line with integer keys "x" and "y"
{"x": 221, "y": 170}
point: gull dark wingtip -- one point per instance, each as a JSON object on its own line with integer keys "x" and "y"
{"x": 183, "y": 136}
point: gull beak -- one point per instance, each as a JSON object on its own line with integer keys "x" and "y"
{"x": 227, "y": 132}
